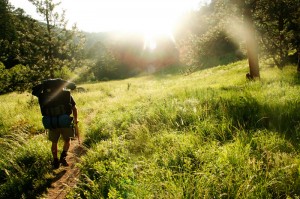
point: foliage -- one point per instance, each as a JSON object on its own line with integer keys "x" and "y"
{"x": 5, "y": 22}
{"x": 14, "y": 79}
{"x": 7, "y": 35}
{"x": 44, "y": 49}
{"x": 60, "y": 47}
{"x": 209, "y": 46}
{"x": 106, "y": 66}
{"x": 122, "y": 55}
{"x": 278, "y": 24}
{"x": 3, "y": 77}
{"x": 216, "y": 48}
{"x": 23, "y": 49}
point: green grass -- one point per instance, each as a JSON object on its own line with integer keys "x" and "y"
{"x": 210, "y": 134}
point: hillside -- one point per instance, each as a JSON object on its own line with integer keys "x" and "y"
{"x": 209, "y": 134}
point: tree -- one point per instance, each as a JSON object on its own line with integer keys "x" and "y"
{"x": 6, "y": 26}
{"x": 7, "y": 35}
{"x": 42, "y": 48}
{"x": 205, "y": 42}
{"x": 106, "y": 65}
{"x": 61, "y": 47}
{"x": 278, "y": 23}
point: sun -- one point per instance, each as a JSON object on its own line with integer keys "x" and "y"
{"x": 152, "y": 18}
{"x": 149, "y": 17}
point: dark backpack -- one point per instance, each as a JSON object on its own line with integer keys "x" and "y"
{"x": 55, "y": 102}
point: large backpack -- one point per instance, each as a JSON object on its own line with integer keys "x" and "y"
{"x": 55, "y": 102}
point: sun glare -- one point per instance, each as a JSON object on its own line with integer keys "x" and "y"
{"x": 152, "y": 18}
{"x": 149, "y": 42}
{"x": 149, "y": 17}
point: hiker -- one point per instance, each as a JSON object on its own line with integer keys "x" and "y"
{"x": 57, "y": 104}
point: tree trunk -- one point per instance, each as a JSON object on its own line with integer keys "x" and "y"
{"x": 251, "y": 45}
{"x": 253, "y": 58}
{"x": 50, "y": 49}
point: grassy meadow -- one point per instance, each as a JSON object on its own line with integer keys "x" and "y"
{"x": 209, "y": 134}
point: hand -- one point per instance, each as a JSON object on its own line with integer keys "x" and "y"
{"x": 77, "y": 132}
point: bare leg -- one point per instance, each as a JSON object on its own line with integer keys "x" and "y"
{"x": 66, "y": 145}
{"x": 54, "y": 153}
{"x": 54, "y": 149}
{"x": 64, "y": 153}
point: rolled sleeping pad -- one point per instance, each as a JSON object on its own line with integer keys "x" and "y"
{"x": 58, "y": 84}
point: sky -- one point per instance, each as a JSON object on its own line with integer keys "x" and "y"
{"x": 147, "y": 16}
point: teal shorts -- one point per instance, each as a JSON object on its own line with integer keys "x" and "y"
{"x": 66, "y": 133}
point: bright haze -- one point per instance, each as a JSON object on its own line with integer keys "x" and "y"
{"x": 148, "y": 17}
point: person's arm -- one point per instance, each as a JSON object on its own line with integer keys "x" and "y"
{"x": 75, "y": 114}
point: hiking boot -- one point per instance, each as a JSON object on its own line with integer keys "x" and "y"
{"x": 62, "y": 159}
{"x": 55, "y": 163}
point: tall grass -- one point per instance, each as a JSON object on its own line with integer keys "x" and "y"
{"x": 25, "y": 167}
{"x": 24, "y": 153}
{"x": 211, "y": 134}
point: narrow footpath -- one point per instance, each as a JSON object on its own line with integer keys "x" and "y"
{"x": 66, "y": 177}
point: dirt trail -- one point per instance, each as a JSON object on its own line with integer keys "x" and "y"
{"x": 66, "y": 177}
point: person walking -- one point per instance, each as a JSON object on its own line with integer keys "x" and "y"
{"x": 57, "y": 105}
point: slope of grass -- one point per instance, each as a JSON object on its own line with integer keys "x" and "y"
{"x": 208, "y": 134}
{"x": 204, "y": 135}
